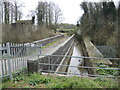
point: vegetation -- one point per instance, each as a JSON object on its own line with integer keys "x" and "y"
{"x": 104, "y": 71}
{"x": 48, "y": 15}
{"x": 24, "y": 36}
{"x": 11, "y": 11}
{"x": 46, "y": 81}
{"x": 70, "y": 29}
{"x": 99, "y": 22}
{"x": 51, "y": 43}
{"x": 67, "y": 26}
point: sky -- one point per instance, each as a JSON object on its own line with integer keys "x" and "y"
{"x": 70, "y": 8}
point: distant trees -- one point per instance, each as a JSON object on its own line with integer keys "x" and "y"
{"x": 17, "y": 6}
{"x": 0, "y": 12}
{"x": 99, "y": 21}
{"x": 11, "y": 11}
{"x": 57, "y": 16}
{"x": 118, "y": 31}
{"x": 67, "y": 26}
{"x": 49, "y": 14}
{"x": 6, "y": 15}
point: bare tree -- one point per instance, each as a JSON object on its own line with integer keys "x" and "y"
{"x": 1, "y": 12}
{"x": 6, "y": 14}
{"x": 11, "y": 11}
{"x": 49, "y": 14}
{"x": 17, "y": 12}
{"x": 40, "y": 13}
{"x": 1, "y": 20}
{"x": 57, "y": 16}
{"x": 31, "y": 13}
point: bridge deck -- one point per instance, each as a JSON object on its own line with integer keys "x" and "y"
{"x": 23, "y": 60}
{"x": 50, "y": 49}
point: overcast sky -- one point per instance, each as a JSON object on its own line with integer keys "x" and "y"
{"x": 70, "y": 8}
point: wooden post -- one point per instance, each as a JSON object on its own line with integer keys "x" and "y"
{"x": 9, "y": 62}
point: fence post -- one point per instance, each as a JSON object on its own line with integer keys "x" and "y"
{"x": 0, "y": 51}
{"x": 1, "y": 59}
{"x": 40, "y": 49}
{"x": 9, "y": 62}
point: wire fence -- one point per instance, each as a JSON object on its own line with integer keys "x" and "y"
{"x": 100, "y": 69}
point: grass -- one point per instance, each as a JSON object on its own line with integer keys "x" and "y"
{"x": 49, "y": 44}
{"x": 106, "y": 72}
{"x": 46, "y": 81}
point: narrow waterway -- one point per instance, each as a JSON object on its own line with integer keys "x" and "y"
{"x": 75, "y": 61}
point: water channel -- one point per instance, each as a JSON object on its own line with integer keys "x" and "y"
{"x": 76, "y": 61}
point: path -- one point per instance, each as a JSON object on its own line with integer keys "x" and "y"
{"x": 19, "y": 63}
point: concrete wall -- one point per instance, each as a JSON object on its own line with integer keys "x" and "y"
{"x": 34, "y": 66}
{"x": 45, "y": 41}
{"x": 94, "y": 52}
{"x": 66, "y": 60}
{"x": 0, "y": 33}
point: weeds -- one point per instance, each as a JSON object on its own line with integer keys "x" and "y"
{"x": 104, "y": 71}
{"x": 36, "y": 81}
{"x": 105, "y": 83}
{"x": 17, "y": 79}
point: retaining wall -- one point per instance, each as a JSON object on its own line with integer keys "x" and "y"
{"x": 94, "y": 52}
{"x": 45, "y": 41}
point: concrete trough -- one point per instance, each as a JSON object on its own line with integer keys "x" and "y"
{"x": 34, "y": 66}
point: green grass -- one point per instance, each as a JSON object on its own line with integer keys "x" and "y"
{"x": 46, "y": 81}
{"x": 106, "y": 72}
{"x": 69, "y": 29}
{"x": 49, "y": 44}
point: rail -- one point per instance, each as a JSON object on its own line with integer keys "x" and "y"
{"x": 50, "y": 70}
{"x": 14, "y": 56}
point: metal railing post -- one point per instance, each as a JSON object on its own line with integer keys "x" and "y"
{"x": 119, "y": 72}
{"x": 0, "y": 51}
{"x": 9, "y": 62}
{"x": 40, "y": 49}
{"x": 2, "y": 66}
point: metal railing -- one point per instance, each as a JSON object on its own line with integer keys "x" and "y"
{"x": 14, "y": 57}
{"x": 51, "y": 66}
